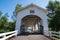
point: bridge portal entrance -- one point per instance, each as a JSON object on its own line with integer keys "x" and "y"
{"x": 31, "y": 24}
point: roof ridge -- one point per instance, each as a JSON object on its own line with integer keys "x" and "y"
{"x": 32, "y": 5}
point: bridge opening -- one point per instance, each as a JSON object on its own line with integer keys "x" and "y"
{"x": 31, "y": 24}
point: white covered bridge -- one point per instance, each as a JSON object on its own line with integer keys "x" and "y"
{"x": 32, "y": 20}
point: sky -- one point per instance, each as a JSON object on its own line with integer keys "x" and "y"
{"x": 8, "y": 6}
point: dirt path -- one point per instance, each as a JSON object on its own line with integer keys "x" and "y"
{"x": 30, "y": 37}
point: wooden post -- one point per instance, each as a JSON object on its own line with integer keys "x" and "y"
{"x": 50, "y": 33}
{"x": 16, "y": 33}
{"x": 59, "y": 34}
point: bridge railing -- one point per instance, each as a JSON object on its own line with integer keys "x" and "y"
{"x": 4, "y": 36}
{"x": 55, "y": 34}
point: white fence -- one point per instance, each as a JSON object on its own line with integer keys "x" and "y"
{"x": 55, "y": 34}
{"x": 4, "y": 36}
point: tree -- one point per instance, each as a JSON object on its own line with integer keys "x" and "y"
{"x": 18, "y": 6}
{"x": 53, "y": 8}
{"x": 0, "y": 14}
{"x": 5, "y": 25}
{"x": 3, "y": 21}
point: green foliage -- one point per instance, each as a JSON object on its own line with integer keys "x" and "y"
{"x": 0, "y": 14}
{"x": 51, "y": 6}
{"x": 54, "y": 22}
{"x": 5, "y": 26}
{"x": 18, "y": 6}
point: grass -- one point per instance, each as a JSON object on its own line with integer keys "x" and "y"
{"x": 55, "y": 38}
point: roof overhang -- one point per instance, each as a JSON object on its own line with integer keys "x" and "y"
{"x": 32, "y": 5}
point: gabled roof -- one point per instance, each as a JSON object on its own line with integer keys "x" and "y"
{"x": 32, "y": 5}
